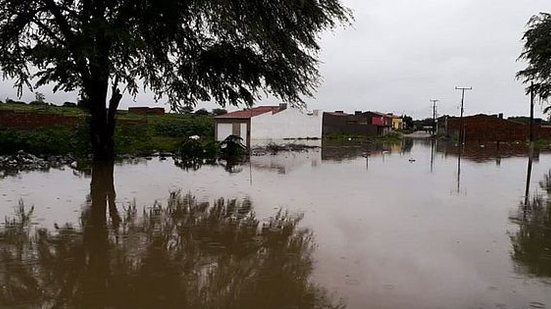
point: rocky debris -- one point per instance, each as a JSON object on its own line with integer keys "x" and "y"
{"x": 21, "y": 161}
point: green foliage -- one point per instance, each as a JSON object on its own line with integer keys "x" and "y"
{"x": 187, "y": 51}
{"x": 408, "y": 122}
{"x": 42, "y": 109}
{"x": 202, "y": 112}
{"x": 69, "y": 104}
{"x": 183, "y": 126}
{"x": 40, "y": 97}
{"x": 219, "y": 111}
{"x": 53, "y": 140}
{"x": 419, "y": 124}
{"x": 163, "y": 133}
{"x": 186, "y": 109}
{"x": 232, "y": 147}
{"x": 197, "y": 149}
{"x": 229, "y": 52}
{"x": 537, "y": 52}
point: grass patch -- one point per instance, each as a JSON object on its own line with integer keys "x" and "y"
{"x": 135, "y": 134}
{"x": 53, "y": 140}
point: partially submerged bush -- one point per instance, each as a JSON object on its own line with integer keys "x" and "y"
{"x": 196, "y": 148}
{"x": 233, "y": 146}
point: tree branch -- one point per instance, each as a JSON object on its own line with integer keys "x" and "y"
{"x": 69, "y": 37}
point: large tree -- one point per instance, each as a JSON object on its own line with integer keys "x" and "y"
{"x": 537, "y": 53}
{"x": 186, "y": 51}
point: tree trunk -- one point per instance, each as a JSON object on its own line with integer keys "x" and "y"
{"x": 102, "y": 120}
{"x": 101, "y": 136}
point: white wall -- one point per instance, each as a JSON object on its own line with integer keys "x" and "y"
{"x": 243, "y": 132}
{"x": 223, "y": 130}
{"x": 289, "y": 123}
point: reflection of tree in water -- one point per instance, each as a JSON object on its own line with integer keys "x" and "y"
{"x": 231, "y": 165}
{"x": 185, "y": 254}
{"x": 532, "y": 242}
{"x": 407, "y": 145}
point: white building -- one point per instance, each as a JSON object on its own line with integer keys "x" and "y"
{"x": 265, "y": 124}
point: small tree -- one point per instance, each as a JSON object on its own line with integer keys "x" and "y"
{"x": 408, "y": 121}
{"x": 187, "y": 51}
{"x": 219, "y": 111}
{"x": 40, "y": 97}
{"x": 202, "y": 112}
{"x": 537, "y": 52}
{"x": 186, "y": 109}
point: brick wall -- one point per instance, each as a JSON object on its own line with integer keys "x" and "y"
{"x": 26, "y": 120}
{"x": 334, "y": 123}
{"x": 34, "y": 120}
{"x": 484, "y": 128}
{"x": 146, "y": 110}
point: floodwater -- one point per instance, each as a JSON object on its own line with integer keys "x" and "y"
{"x": 411, "y": 225}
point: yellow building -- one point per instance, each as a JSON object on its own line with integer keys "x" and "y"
{"x": 397, "y": 123}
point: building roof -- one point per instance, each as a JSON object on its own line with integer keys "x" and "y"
{"x": 336, "y": 113}
{"x": 250, "y": 112}
{"x": 380, "y": 114}
{"x": 489, "y": 117}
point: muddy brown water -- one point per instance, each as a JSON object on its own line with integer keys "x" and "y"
{"x": 411, "y": 225}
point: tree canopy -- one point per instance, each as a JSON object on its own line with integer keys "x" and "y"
{"x": 184, "y": 51}
{"x": 537, "y": 52}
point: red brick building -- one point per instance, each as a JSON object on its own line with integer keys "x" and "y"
{"x": 359, "y": 123}
{"x": 491, "y": 128}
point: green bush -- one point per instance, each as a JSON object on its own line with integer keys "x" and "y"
{"x": 184, "y": 126}
{"x": 53, "y": 140}
{"x": 164, "y": 133}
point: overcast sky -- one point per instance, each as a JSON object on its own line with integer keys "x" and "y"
{"x": 399, "y": 54}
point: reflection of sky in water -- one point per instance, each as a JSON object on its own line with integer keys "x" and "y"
{"x": 390, "y": 232}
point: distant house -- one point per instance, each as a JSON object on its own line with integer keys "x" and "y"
{"x": 341, "y": 123}
{"x": 268, "y": 123}
{"x": 383, "y": 122}
{"x": 359, "y": 123}
{"x": 397, "y": 122}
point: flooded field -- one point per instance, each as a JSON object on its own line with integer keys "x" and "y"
{"x": 411, "y": 225}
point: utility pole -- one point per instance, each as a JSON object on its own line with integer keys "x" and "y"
{"x": 461, "y": 124}
{"x": 531, "y": 114}
{"x": 434, "y": 124}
